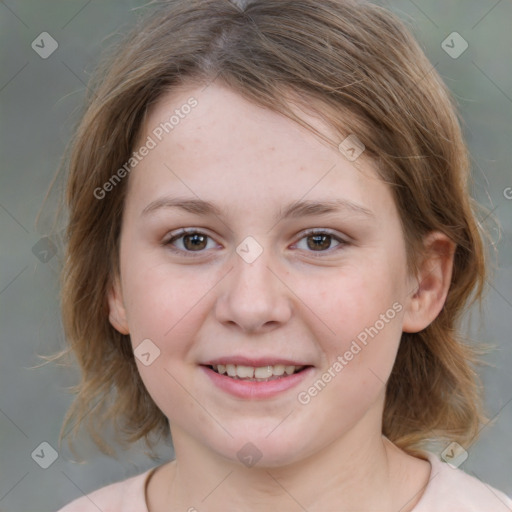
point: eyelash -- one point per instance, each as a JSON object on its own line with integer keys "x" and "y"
{"x": 305, "y": 234}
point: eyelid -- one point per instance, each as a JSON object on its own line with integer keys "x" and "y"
{"x": 323, "y": 231}
{"x": 342, "y": 241}
{"x": 176, "y": 235}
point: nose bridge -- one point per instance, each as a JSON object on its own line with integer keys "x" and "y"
{"x": 252, "y": 295}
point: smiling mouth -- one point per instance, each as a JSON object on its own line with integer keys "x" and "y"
{"x": 253, "y": 374}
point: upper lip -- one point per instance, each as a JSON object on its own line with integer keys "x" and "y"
{"x": 256, "y": 362}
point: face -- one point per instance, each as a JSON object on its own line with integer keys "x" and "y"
{"x": 322, "y": 292}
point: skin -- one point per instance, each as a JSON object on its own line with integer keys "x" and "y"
{"x": 293, "y": 301}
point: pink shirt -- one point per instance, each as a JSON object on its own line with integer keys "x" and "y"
{"x": 448, "y": 490}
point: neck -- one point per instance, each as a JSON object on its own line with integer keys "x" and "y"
{"x": 351, "y": 474}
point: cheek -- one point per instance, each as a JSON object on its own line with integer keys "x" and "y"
{"x": 359, "y": 358}
{"x": 159, "y": 301}
{"x": 366, "y": 317}
{"x": 166, "y": 312}
{"x": 172, "y": 393}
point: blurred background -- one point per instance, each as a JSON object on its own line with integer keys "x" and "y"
{"x": 42, "y": 87}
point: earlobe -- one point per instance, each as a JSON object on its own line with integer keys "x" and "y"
{"x": 427, "y": 299}
{"x": 117, "y": 311}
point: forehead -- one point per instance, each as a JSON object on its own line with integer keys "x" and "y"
{"x": 213, "y": 144}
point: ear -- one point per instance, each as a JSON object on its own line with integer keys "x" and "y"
{"x": 117, "y": 311}
{"x": 429, "y": 292}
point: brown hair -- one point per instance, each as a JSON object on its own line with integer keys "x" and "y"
{"x": 356, "y": 65}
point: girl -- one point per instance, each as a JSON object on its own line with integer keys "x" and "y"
{"x": 270, "y": 245}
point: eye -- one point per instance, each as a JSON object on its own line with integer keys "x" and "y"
{"x": 195, "y": 241}
{"x": 191, "y": 240}
{"x": 318, "y": 240}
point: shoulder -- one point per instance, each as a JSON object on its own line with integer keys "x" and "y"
{"x": 125, "y": 496}
{"x": 452, "y": 489}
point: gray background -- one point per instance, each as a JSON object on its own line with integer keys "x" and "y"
{"x": 40, "y": 101}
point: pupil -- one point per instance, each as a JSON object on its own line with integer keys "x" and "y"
{"x": 319, "y": 238}
{"x": 197, "y": 241}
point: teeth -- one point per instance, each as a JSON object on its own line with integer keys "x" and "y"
{"x": 278, "y": 369}
{"x": 245, "y": 372}
{"x": 262, "y": 372}
{"x": 289, "y": 369}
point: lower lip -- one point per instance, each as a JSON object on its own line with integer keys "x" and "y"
{"x": 253, "y": 389}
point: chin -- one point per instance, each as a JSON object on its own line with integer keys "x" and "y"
{"x": 262, "y": 452}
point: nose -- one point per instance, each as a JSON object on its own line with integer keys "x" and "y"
{"x": 253, "y": 296}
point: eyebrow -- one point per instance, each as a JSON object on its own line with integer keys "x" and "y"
{"x": 295, "y": 209}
